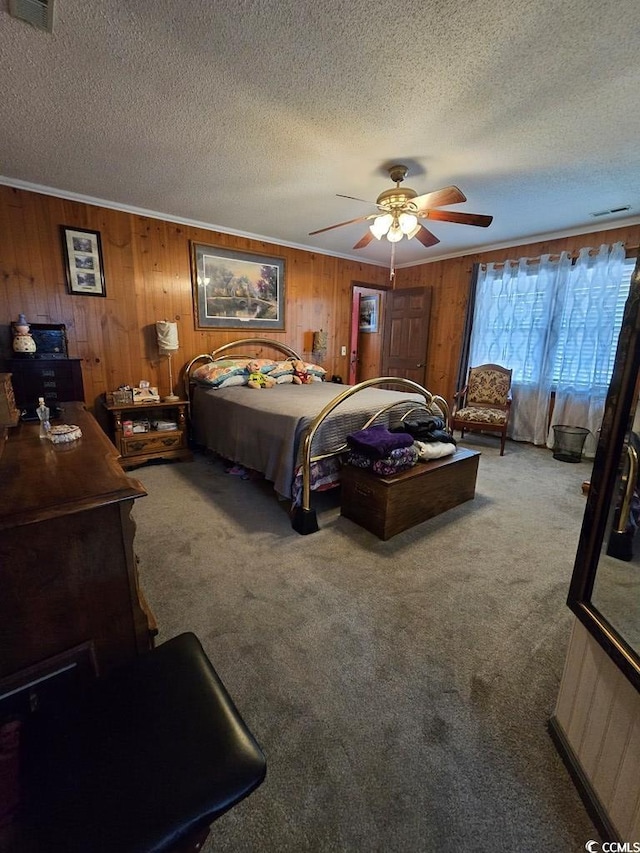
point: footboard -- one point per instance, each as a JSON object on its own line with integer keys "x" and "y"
{"x": 304, "y": 518}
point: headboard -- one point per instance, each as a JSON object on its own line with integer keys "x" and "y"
{"x": 254, "y": 345}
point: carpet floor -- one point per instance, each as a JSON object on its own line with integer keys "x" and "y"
{"x": 400, "y": 690}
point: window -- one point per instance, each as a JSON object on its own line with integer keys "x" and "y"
{"x": 553, "y": 321}
{"x": 595, "y": 368}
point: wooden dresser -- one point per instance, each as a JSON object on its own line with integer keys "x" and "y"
{"x": 67, "y": 565}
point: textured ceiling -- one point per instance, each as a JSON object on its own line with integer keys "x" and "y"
{"x": 249, "y": 116}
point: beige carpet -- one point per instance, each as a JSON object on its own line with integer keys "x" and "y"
{"x": 401, "y": 689}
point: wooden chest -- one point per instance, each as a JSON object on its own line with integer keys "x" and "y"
{"x": 388, "y": 505}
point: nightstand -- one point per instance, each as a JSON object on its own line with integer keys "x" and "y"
{"x": 136, "y": 434}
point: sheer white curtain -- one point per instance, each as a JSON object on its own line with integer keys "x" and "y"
{"x": 515, "y": 304}
{"x": 554, "y": 324}
{"x": 582, "y": 339}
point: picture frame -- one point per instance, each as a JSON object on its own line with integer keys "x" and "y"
{"x": 236, "y": 290}
{"x": 369, "y": 313}
{"x": 82, "y": 251}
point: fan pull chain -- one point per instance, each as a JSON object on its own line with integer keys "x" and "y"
{"x": 392, "y": 271}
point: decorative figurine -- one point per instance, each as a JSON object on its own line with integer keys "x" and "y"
{"x": 43, "y": 416}
{"x": 23, "y": 341}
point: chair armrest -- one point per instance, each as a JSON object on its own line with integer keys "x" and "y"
{"x": 460, "y": 393}
{"x": 459, "y": 400}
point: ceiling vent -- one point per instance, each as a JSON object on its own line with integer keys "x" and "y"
{"x": 612, "y": 211}
{"x": 38, "y": 13}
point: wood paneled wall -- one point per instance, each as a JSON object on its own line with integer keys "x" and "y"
{"x": 450, "y": 282}
{"x": 598, "y": 713}
{"x": 147, "y": 274}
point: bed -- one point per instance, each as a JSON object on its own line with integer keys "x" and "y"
{"x": 295, "y": 435}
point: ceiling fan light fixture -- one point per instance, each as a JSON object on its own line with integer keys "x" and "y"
{"x": 394, "y": 234}
{"x": 408, "y": 223}
{"x": 381, "y": 225}
{"x": 400, "y": 210}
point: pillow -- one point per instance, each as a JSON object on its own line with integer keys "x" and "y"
{"x": 265, "y": 365}
{"x": 239, "y": 379}
{"x": 318, "y": 373}
{"x": 281, "y": 368}
{"x": 216, "y": 372}
{"x": 283, "y": 378}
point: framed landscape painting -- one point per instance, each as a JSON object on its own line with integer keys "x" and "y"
{"x": 236, "y": 290}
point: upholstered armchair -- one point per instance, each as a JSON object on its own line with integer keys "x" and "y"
{"x": 484, "y": 404}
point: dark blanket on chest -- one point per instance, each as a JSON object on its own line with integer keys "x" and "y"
{"x": 426, "y": 428}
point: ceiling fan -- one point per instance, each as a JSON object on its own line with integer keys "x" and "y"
{"x": 400, "y": 208}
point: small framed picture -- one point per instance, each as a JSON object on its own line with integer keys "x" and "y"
{"x": 369, "y": 310}
{"x": 82, "y": 252}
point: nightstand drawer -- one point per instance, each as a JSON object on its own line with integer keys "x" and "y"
{"x": 151, "y": 442}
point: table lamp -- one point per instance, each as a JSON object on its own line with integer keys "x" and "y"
{"x": 167, "y": 337}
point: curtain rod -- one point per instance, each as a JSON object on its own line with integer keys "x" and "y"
{"x": 630, "y": 252}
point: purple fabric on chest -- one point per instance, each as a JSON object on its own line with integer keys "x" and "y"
{"x": 377, "y": 442}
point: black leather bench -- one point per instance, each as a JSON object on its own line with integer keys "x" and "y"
{"x": 152, "y": 754}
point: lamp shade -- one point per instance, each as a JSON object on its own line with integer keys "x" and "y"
{"x": 381, "y": 225}
{"x": 167, "y": 336}
{"x": 407, "y": 222}
{"x": 394, "y": 234}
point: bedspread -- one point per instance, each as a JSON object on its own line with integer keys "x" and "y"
{"x": 262, "y": 429}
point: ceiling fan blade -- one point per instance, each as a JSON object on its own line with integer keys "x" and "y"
{"x": 366, "y": 238}
{"x": 339, "y": 225}
{"x": 353, "y": 198}
{"x": 447, "y": 195}
{"x": 426, "y": 237}
{"x": 478, "y": 219}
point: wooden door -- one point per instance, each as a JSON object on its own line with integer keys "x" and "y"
{"x": 406, "y": 333}
{"x": 353, "y": 350}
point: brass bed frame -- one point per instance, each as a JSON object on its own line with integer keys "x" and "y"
{"x": 304, "y": 517}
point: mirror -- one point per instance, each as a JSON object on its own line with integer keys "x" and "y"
{"x": 616, "y": 589}
{"x": 605, "y": 586}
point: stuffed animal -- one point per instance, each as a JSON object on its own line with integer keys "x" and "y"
{"x": 300, "y": 374}
{"x": 258, "y": 379}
